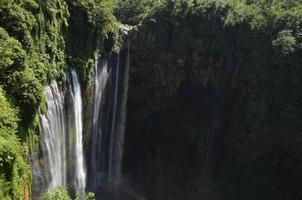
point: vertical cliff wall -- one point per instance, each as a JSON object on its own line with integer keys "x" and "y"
{"x": 213, "y": 111}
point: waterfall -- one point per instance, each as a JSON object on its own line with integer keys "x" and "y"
{"x": 110, "y": 86}
{"x": 119, "y": 116}
{"x": 100, "y": 78}
{"x": 53, "y": 130}
{"x": 61, "y": 160}
{"x": 123, "y": 110}
{"x": 80, "y": 171}
{"x": 112, "y": 134}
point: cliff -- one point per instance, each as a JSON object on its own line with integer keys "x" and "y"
{"x": 214, "y": 107}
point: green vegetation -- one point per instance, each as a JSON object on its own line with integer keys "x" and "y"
{"x": 14, "y": 172}
{"x": 56, "y": 194}
{"x": 61, "y": 193}
{"x": 280, "y": 17}
{"x": 85, "y": 196}
{"x": 135, "y": 11}
{"x": 33, "y": 38}
{"x": 93, "y": 28}
{"x": 35, "y": 50}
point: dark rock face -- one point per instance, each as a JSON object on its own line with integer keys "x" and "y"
{"x": 176, "y": 107}
{"x": 220, "y": 124}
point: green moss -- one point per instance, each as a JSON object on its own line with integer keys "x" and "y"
{"x": 36, "y": 35}
{"x": 14, "y": 172}
{"x": 93, "y": 30}
{"x": 8, "y": 115}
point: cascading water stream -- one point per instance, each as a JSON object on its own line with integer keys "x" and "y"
{"x": 112, "y": 134}
{"x": 123, "y": 110}
{"x": 109, "y": 107}
{"x": 54, "y": 134}
{"x": 100, "y": 79}
{"x": 61, "y": 161}
{"x": 119, "y": 116}
{"x": 80, "y": 171}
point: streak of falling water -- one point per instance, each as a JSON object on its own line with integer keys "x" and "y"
{"x": 80, "y": 171}
{"x": 119, "y": 116}
{"x": 112, "y": 134}
{"x": 123, "y": 110}
{"x": 52, "y": 124}
{"x": 100, "y": 78}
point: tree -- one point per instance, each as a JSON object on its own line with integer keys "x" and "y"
{"x": 285, "y": 42}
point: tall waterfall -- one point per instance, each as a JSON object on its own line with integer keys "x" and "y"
{"x": 110, "y": 85}
{"x": 114, "y": 119}
{"x": 119, "y": 116}
{"x": 54, "y": 134}
{"x": 61, "y": 161}
{"x": 63, "y": 157}
{"x": 100, "y": 78}
{"x": 77, "y": 130}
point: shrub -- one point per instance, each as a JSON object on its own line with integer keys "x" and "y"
{"x": 58, "y": 193}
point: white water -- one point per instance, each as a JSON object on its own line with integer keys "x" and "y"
{"x": 120, "y": 132}
{"x": 53, "y": 128}
{"x": 109, "y": 114}
{"x": 100, "y": 79}
{"x": 80, "y": 171}
{"x": 62, "y": 162}
{"x": 113, "y": 123}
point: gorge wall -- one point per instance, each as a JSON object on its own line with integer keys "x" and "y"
{"x": 213, "y": 111}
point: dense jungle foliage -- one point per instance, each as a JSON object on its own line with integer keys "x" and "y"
{"x": 41, "y": 39}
